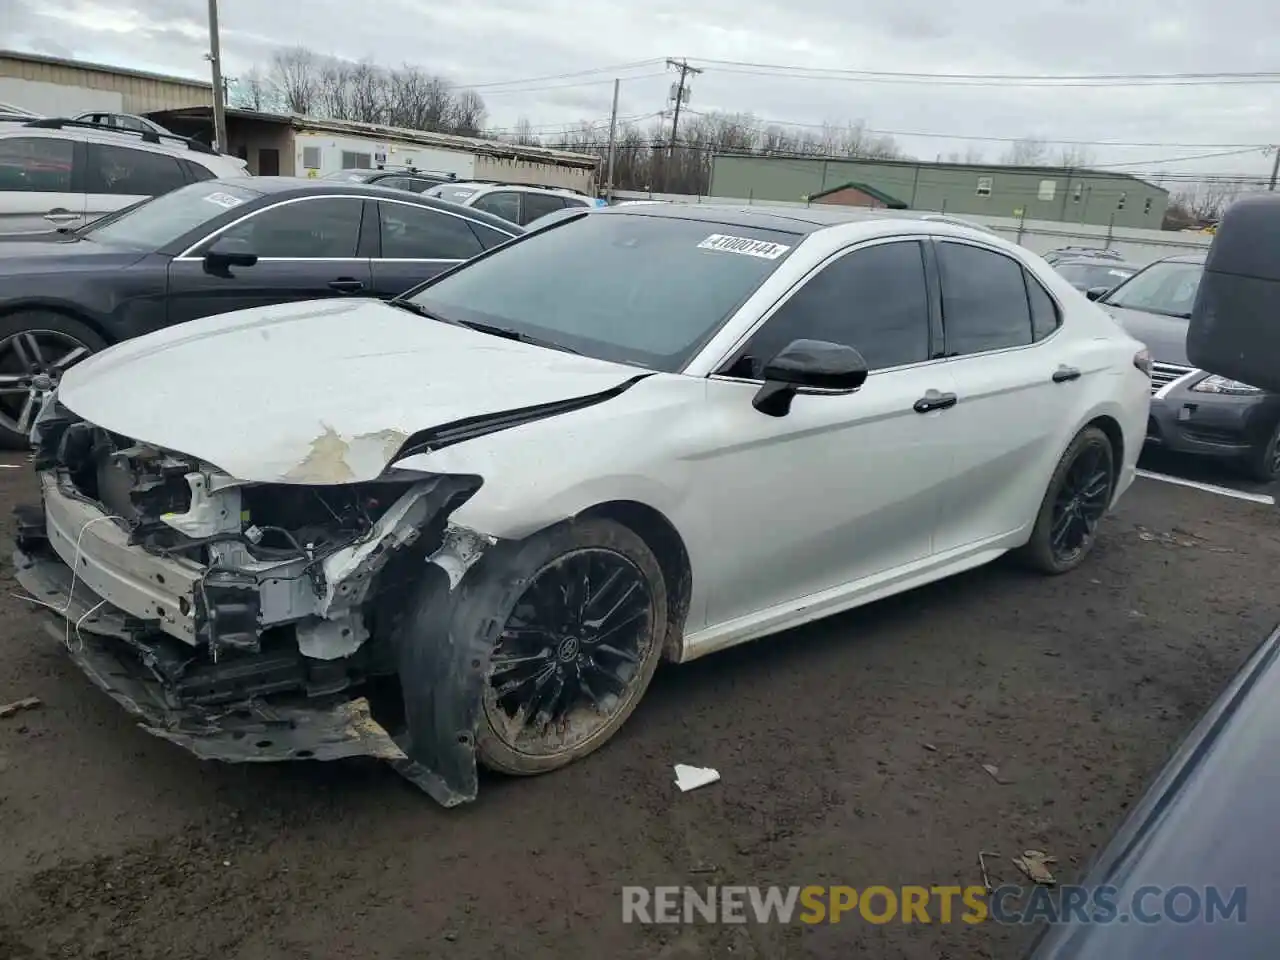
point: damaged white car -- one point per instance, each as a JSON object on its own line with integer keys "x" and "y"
{"x": 467, "y": 525}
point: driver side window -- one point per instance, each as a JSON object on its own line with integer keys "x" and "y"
{"x": 312, "y": 229}
{"x": 874, "y": 299}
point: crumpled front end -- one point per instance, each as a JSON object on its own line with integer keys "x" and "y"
{"x": 252, "y": 621}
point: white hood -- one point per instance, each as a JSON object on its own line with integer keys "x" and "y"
{"x": 319, "y": 392}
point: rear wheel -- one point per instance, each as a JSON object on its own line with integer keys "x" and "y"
{"x": 1078, "y": 496}
{"x": 36, "y": 349}
{"x": 584, "y": 625}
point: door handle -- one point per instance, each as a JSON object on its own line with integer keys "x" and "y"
{"x": 933, "y": 400}
{"x": 346, "y": 285}
{"x": 1064, "y": 374}
{"x": 58, "y": 215}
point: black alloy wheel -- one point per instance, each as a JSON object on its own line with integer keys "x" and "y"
{"x": 570, "y": 652}
{"x": 1078, "y": 497}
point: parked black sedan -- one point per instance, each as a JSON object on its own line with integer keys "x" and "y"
{"x": 1192, "y": 411}
{"x": 212, "y": 247}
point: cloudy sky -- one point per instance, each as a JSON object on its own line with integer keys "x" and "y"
{"x": 505, "y": 49}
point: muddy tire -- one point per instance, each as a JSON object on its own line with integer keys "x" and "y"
{"x": 36, "y": 348}
{"x": 1078, "y": 496}
{"x": 584, "y": 614}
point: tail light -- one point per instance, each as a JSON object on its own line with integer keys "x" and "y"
{"x": 1142, "y": 360}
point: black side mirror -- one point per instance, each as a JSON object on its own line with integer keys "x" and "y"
{"x": 812, "y": 364}
{"x": 1096, "y": 293}
{"x": 229, "y": 252}
{"x": 1235, "y": 322}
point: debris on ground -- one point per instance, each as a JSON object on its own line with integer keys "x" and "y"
{"x": 1035, "y": 864}
{"x": 1178, "y": 538}
{"x": 930, "y": 747}
{"x": 691, "y": 778}
{"x": 26, "y": 703}
{"x": 982, "y": 864}
{"x": 992, "y": 769}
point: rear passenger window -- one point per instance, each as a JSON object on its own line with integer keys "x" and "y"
{"x": 36, "y": 165}
{"x": 196, "y": 172}
{"x": 1044, "y": 312}
{"x": 502, "y": 204}
{"x": 416, "y": 233}
{"x": 984, "y": 300}
{"x": 538, "y": 204}
{"x": 874, "y": 300}
{"x": 489, "y": 236}
{"x": 127, "y": 172}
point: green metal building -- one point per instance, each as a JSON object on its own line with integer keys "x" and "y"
{"x": 1036, "y": 193}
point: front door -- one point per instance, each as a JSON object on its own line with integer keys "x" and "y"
{"x": 845, "y": 487}
{"x": 307, "y": 249}
{"x": 41, "y": 189}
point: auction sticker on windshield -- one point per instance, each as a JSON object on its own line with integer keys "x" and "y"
{"x": 744, "y": 245}
{"x": 225, "y": 200}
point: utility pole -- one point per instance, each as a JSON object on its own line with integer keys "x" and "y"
{"x": 680, "y": 95}
{"x": 1275, "y": 168}
{"x": 219, "y": 99}
{"x": 613, "y": 141}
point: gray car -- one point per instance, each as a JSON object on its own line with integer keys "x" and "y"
{"x": 1095, "y": 273}
{"x": 1192, "y": 411}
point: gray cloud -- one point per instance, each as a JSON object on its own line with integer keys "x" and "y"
{"x": 482, "y": 41}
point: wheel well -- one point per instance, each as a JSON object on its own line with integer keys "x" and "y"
{"x": 1111, "y": 428}
{"x": 667, "y": 545}
{"x": 62, "y": 311}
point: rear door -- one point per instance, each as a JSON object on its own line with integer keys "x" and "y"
{"x": 1005, "y": 347}
{"x": 307, "y": 248}
{"x": 41, "y": 184}
{"x": 416, "y": 243}
{"x": 117, "y": 176}
{"x": 539, "y": 204}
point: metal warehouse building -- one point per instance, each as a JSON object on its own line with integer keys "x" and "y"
{"x": 289, "y": 145}
{"x": 1036, "y": 193}
{"x": 56, "y": 87}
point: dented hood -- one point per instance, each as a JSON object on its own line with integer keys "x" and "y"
{"x": 319, "y": 392}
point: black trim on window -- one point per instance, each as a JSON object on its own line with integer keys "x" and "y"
{"x": 369, "y": 245}
{"x": 933, "y": 285}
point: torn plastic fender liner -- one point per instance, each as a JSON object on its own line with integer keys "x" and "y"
{"x": 443, "y": 647}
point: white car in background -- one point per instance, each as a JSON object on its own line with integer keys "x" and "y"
{"x": 644, "y": 433}
{"x": 59, "y": 174}
{"x": 518, "y": 203}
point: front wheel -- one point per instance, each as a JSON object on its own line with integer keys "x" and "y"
{"x": 36, "y": 349}
{"x": 583, "y": 631}
{"x": 1078, "y": 496}
{"x": 1263, "y": 463}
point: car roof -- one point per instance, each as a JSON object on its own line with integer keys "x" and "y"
{"x": 1100, "y": 262}
{"x": 796, "y": 220}
{"x": 481, "y": 185}
{"x": 1185, "y": 258}
{"x": 153, "y": 141}
{"x": 304, "y": 186}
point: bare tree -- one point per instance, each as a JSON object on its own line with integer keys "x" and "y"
{"x": 1075, "y": 156}
{"x": 467, "y": 115}
{"x": 1206, "y": 202}
{"x": 368, "y": 90}
{"x": 295, "y": 75}
{"x": 523, "y": 133}
{"x": 253, "y": 92}
{"x": 332, "y": 95}
{"x": 1027, "y": 152}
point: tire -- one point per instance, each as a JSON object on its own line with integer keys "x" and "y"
{"x": 526, "y": 574}
{"x": 56, "y": 337}
{"x": 1039, "y": 553}
{"x": 1263, "y": 461}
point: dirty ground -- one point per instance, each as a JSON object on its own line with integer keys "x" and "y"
{"x": 850, "y": 752}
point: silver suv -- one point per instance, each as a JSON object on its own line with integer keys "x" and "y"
{"x": 61, "y": 174}
{"x": 517, "y": 202}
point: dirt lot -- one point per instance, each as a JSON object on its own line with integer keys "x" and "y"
{"x": 116, "y": 845}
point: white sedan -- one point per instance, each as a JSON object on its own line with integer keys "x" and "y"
{"x": 649, "y": 432}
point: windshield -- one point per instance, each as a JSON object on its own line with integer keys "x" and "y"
{"x": 163, "y": 219}
{"x": 1167, "y": 288}
{"x": 627, "y": 287}
{"x": 452, "y": 194}
{"x": 1086, "y": 276}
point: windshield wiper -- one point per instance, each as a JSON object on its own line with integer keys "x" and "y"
{"x": 517, "y": 335}
{"x": 419, "y": 310}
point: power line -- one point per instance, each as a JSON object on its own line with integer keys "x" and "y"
{"x": 992, "y": 79}
{"x": 611, "y": 69}
{"x": 564, "y": 86}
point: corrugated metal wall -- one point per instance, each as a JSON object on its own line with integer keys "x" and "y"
{"x": 138, "y": 94}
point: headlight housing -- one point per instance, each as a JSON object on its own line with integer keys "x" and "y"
{"x": 1225, "y": 385}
